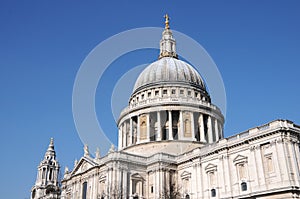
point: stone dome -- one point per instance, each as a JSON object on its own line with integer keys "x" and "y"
{"x": 169, "y": 70}
{"x": 170, "y": 109}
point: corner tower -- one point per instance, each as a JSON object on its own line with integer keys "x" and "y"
{"x": 169, "y": 109}
{"x": 47, "y": 183}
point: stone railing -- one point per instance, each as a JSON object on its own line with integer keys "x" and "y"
{"x": 241, "y": 136}
{"x": 168, "y": 100}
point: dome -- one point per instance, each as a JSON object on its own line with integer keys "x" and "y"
{"x": 169, "y": 70}
{"x": 170, "y": 109}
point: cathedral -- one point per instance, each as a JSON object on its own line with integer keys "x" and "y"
{"x": 171, "y": 145}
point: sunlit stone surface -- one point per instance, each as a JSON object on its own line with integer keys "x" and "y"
{"x": 172, "y": 145}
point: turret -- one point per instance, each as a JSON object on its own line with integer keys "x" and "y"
{"x": 47, "y": 183}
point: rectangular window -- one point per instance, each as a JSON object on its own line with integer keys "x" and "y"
{"x": 143, "y": 96}
{"x": 152, "y": 189}
{"x": 269, "y": 163}
{"x": 242, "y": 171}
{"x": 189, "y": 93}
{"x": 181, "y": 92}
{"x": 149, "y": 94}
{"x": 165, "y": 92}
{"x": 156, "y": 93}
{"x": 173, "y": 92}
{"x": 84, "y": 190}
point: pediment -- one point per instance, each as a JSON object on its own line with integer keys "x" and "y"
{"x": 83, "y": 165}
{"x": 240, "y": 159}
{"x": 137, "y": 176}
{"x": 211, "y": 167}
{"x": 185, "y": 175}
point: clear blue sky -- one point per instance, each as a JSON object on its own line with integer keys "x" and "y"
{"x": 255, "y": 45}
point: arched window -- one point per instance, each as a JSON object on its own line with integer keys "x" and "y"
{"x": 213, "y": 193}
{"x": 187, "y": 196}
{"x": 44, "y": 173}
{"x": 50, "y": 190}
{"x": 244, "y": 186}
{"x": 50, "y": 174}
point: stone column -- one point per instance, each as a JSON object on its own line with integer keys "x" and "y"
{"x": 260, "y": 167}
{"x": 181, "y": 133}
{"x": 167, "y": 179}
{"x": 216, "y": 130}
{"x": 193, "y": 126}
{"x": 254, "y": 180}
{"x": 157, "y": 184}
{"x": 131, "y": 184}
{"x": 296, "y": 160}
{"x": 228, "y": 178}
{"x": 138, "y": 128}
{"x": 277, "y": 161}
{"x": 221, "y": 130}
{"x": 209, "y": 130}
{"x": 287, "y": 143}
{"x": 162, "y": 178}
{"x": 193, "y": 179}
{"x": 201, "y": 189}
{"x": 124, "y": 183}
{"x": 170, "y": 126}
{"x": 120, "y": 139}
{"x": 148, "y": 128}
{"x": 285, "y": 174}
{"x": 130, "y": 132}
{"x": 158, "y": 136}
{"x": 117, "y": 180}
{"x": 201, "y": 128}
{"x": 125, "y": 134}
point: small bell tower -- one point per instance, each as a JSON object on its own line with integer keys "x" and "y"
{"x": 47, "y": 184}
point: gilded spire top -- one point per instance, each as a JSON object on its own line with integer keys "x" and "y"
{"x": 167, "y": 42}
{"x": 167, "y": 21}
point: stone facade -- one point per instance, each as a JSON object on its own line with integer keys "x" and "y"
{"x": 262, "y": 162}
{"x": 172, "y": 145}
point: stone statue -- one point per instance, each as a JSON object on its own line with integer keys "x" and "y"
{"x": 86, "y": 150}
{"x": 97, "y": 154}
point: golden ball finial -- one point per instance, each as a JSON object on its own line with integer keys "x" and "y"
{"x": 167, "y": 21}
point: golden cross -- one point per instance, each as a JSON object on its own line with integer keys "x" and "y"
{"x": 167, "y": 21}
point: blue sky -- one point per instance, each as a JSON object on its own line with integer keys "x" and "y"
{"x": 255, "y": 45}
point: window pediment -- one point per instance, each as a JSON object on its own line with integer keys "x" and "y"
{"x": 186, "y": 175}
{"x": 211, "y": 167}
{"x": 240, "y": 159}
